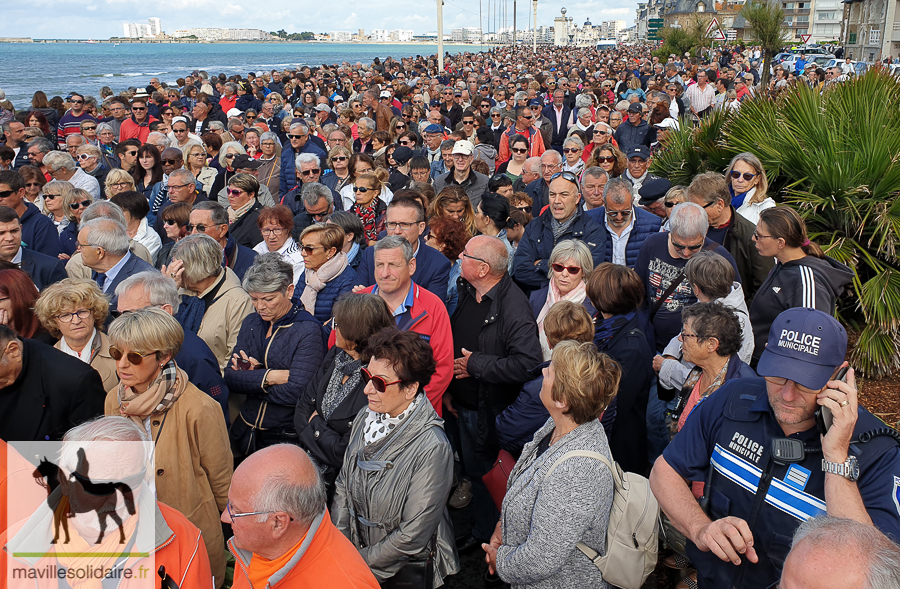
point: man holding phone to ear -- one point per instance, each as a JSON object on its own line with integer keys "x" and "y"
{"x": 753, "y": 499}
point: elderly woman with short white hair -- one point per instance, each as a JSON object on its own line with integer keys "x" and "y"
{"x": 571, "y": 265}
{"x": 227, "y": 153}
{"x": 573, "y": 148}
{"x": 195, "y": 163}
{"x": 270, "y": 160}
{"x": 191, "y": 452}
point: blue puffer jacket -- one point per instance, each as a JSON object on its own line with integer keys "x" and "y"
{"x": 518, "y": 422}
{"x": 343, "y": 282}
{"x": 645, "y": 225}
{"x": 297, "y": 344}
{"x": 537, "y": 245}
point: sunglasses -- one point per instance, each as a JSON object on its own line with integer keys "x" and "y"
{"x": 76, "y": 101}
{"x": 90, "y": 128}
{"x": 404, "y": 126}
{"x": 468, "y": 122}
{"x": 235, "y": 192}
{"x": 747, "y": 176}
{"x": 84, "y": 156}
{"x": 529, "y": 117}
{"x": 680, "y": 247}
{"x": 362, "y": 189}
{"x": 50, "y": 196}
{"x": 670, "y": 204}
{"x": 565, "y": 176}
{"x": 179, "y": 130}
{"x": 31, "y": 184}
{"x": 83, "y": 204}
{"x": 170, "y": 222}
{"x": 132, "y": 357}
{"x": 519, "y": 150}
{"x": 172, "y": 162}
{"x": 311, "y": 172}
{"x": 131, "y": 153}
{"x": 296, "y": 136}
{"x": 307, "y": 250}
{"x": 106, "y": 488}
{"x": 558, "y": 268}
{"x": 138, "y": 108}
{"x": 571, "y": 150}
{"x": 378, "y": 382}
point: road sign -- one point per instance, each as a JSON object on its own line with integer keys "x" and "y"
{"x": 805, "y": 38}
{"x": 652, "y": 36}
{"x": 655, "y": 23}
{"x": 718, "y": 35}
{"x": 714, "y": 23}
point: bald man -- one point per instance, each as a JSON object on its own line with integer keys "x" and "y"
{"x": 283, "y": 534}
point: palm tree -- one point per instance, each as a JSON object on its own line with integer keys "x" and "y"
{"x": 835, "y": 157}
{"x": 766, "y": 20}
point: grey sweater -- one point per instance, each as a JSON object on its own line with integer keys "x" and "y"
{"x": 544, "y": 517}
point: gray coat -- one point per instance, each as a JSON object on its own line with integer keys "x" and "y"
{"x": 543, "y": 518}
{"x": 390, "y": 502}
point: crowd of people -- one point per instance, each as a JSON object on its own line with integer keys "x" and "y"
{"x": 353, "y": 287}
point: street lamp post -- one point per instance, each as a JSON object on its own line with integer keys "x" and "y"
{"x": 534, "y": 12}
{"x": 440, "y": 39}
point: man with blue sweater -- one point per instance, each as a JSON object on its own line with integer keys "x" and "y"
{"x": 299, "y": 141}
{"x": 627, "y": 226}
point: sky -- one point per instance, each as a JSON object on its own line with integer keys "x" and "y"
{"x": 100, "y": 19}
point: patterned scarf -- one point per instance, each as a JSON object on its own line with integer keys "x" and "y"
{"x": 560, "y": 227}
{"x": 317, "y": 279}
{"x": 379, "y": 425}
{"x": 337, "y": 391}
{"x": 157, "y": 399}
{"x": 368, "y": 218}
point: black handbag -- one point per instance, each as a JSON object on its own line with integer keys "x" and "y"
{"x": 415, "y": 574}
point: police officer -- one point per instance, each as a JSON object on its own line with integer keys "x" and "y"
{"x": 754, "y": 500}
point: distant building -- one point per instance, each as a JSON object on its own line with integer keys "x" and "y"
{"x": 379, "y": 35}
{"x": 208, "y": 34}
{"x": 341, "y": 36}
{"x": 133, "y": 30}
{"x": 401, "y": 35}
{"x": 872, "y": 29}
{"x": 612, "y": 29}
{"x": 466, "y": 35}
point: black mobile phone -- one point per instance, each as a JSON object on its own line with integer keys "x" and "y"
{"x": 824, "y": 418}
{"x": 243, "y": 364}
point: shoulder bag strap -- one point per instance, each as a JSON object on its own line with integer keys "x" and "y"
{"x": 668, "y": 292}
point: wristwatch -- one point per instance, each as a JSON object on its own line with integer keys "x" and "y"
{"x": 849, "y": 470}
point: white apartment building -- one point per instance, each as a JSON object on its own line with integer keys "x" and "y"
{"x": 341, "y": 36}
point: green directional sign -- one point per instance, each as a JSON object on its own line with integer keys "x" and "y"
{"x": 655, "y": 23}
{"x": 652, "y": 35}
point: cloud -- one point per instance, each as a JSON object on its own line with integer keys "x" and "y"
{"x": 104, "y": 18}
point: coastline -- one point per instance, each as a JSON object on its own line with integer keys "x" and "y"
{"x": 114, "y": 40}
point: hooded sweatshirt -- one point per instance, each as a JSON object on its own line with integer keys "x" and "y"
{"x": 486, "y": 153}
{"x": 810, "y": 282}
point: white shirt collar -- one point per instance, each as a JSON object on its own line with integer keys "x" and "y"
{"x": 17, "y": 259}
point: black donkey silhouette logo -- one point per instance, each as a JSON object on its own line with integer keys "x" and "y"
{"x": 47, "y": 475}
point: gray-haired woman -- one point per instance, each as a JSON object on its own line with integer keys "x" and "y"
{"x": 573, "y": 148}
{"x": 270, "y": 158}
{"x": 278, "y": 351}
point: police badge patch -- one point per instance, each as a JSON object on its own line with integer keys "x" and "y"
{"x": 895, "y": 495}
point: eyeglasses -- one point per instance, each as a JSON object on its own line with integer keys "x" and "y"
{"x": 307, "y": 250}
{"x": 233, "y": 515}
{"x": 747, "y": 176}
{"x": 106, "y": 488}
{"x": 466, "y": 255}
{"x": 571, "y": 150}
{"x": 398, "y": 225}
{"x": 558, "y": 268}
{"x": 780, "y": 382}
{"x": 625, "y": 214}
{"x": 132, "y": 357}
{"x": 76, "y": 205}
{"x": 362, "y": 189}
{"x": 311, "y": 172}
{"x": 757, "y": 236}
{"x": 680, "y": 247}
{"x": 519, "y": 150}
{"x": 235, "y": 192}
{"x": 564, "y": 175}
{"x": 276, "y": 231}
{"x": 172, "y": 162}
{"x": 378, "y": 382}
{"x": 68, "y": 317}
{"x": 689, "y": 335}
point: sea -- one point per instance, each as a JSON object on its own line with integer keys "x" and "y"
{"x": 60, "y": 68}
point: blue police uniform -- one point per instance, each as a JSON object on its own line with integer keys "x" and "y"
{"x": 726, "y": 441}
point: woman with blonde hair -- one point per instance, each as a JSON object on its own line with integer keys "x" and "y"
{"x": 453, "y": 202}
{"x": 117, "y": 182}
{"x": 192, "y": 452}
{"x": 339, "y": 160}
{"x": 74, "y": 310}
{"x": 54, "y": 194}
{"x": 328, "y": 274}
{"x": 195, "y": 163}
{"x": 747, "y": 184}
{"x": 74, "y": 203}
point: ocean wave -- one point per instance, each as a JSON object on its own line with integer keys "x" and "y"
{"x": 108, "y": 75}
{"x": 133, "y": 74}
{"x": 155, "y": 73}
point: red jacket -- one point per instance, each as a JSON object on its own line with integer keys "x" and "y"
{"x": 428, "y": 318}
{"x": 329, "y": 560}
{"x": 130, "y": 129}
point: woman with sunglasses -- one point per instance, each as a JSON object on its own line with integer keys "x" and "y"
{"x": 571, "y": 265}
{"x": 748, "y": 184}
{"x": 226, "y": 156}
{"x": 674, "y": 196}
{"x": 399, "y": 428}
{"x": 453, "y": 202}
{"x": 191, "y": 449}
{"x": 335, "y": 395}
{"x": 136, "y": 208}
{"x": 74, "y": 310}
{"x": 397, "y": 126}
{"x": 34, "y": 185}
{"x": 195, "y": 162}
{"x": 175, "y": 218}
{"x": 149, "y": 171}
{"x": 339, "y": 161}
{"x": 368, "y": 205}
{"x": 803, "y": 275}
{"x": 278, "y": 350}
{"x": 610, "y": 159}
{"x": 601, "y": 134}
{"x": 90, "y": 160}
{"x": 73, "y": 204}
{"x": 328, "y": 274}
{"x": 53, "y": 194}
{"x": 513, "y": 167}
{"x": 573, "y": 148}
